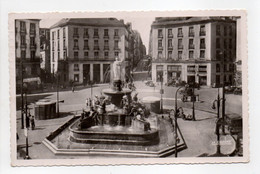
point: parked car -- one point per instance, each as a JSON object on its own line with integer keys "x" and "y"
{"x": 234, "y": 122}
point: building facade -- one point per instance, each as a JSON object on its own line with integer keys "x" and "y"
{"x": 83, "y": 50}
{"x": 27, "y": 50}
{"x": 193, "y": 49}
{"x": 45, "y": 49}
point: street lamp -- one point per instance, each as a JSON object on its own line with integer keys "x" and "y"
{"x": 22, "y": 109}
{"x": 161, "y": 92}
{"x": 175, "y": 121}
{"x": 58, "y": 107}
{"x": 193, "y": 102}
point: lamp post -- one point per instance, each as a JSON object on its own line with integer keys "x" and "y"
{"x": 223, "y": 94}
{"x": 161, "y": 92}
{"x": 58, "y": 107}
{"x": 217, "y": 127}
{"x": 22, "y": 108}
{"x": 193, "y": 102}
{"x": 175, "y": 122}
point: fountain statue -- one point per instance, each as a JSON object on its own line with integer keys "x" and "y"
{"x": 115, "y": 117}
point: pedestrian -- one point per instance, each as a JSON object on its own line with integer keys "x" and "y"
{"x": 32, "y": 120}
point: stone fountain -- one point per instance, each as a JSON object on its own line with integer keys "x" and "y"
{"x": 123, "y": 121}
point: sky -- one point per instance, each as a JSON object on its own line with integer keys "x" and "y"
{"x": 141, "y": 24}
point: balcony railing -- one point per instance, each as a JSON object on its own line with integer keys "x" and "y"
{"x": 23, "y": 31}
{"x": 160, "y": 48}
{"x": 202, "y": 46}
{"x": 106, "y": 47}
{"x": 96, "y": 47}
{"x": 76, "y": 35}
{"x": 170, "y": 35}
{"x": 116, "y": 37}
{"x": 32, "y": 32}
{"x": 106, "y": 37}
{"x": 116, "y": 48}
{"x": 160, "y": 36}
{"x": 86, "y": 48}
{"x": 23, "y": 46}
{"x": 202, "y": 33}
{"x": 180, "y": 46}
{"x": 180, "y": 34}
{"x": 191, "y": 34}
{"x": 33, "y": 46}
{"x": 75, "y": 48}
{"x": 191, "y": 46}
{"x": 86, "y": 36}
{"x": 95, "y": 36}
{"x": 170, "y": 48}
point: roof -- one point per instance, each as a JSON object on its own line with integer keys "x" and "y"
{"x": 113, "y": 22}
{"x": 165, "y": 21}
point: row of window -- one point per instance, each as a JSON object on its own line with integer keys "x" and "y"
{"x": 202, "y": 31}
{"x": 191, "y": 54}
{"x": 86, "y": 45}
{"x": 23, "y": 28}
{"x": 23, "y": 42}
{"x": 227, "y": 43}
{"x": 191, "y": 33}
{"x": 180, "y": 44}
{"x": 23, "y": 54}
{"x": 86, "y": 33}
{"x": 229, "y": 68}
{"x": 86, "y": 55}
{"x": 178, "y": 68}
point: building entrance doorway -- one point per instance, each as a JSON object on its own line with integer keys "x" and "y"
{"x": 203, "y": 80}
{"x": 96, "y": 73}
{"x": 86, "y": 73}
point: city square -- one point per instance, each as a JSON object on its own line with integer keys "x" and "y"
{"x": 92, "y": 88}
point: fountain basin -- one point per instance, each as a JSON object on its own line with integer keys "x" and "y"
{"x": 107, "y": 134}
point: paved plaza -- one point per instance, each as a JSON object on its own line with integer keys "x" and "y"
{"x": 199, "y": 135}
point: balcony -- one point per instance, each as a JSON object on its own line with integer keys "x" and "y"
{"x": 106, "y": 37}
{"x": 32, "y": 32}
{"x": 202, "y": 33}
{"x": 106, "y": 47}
{"x": 202, "y": 46}
{"x": 160, "y": 48}
{"x": 160, "y": 36}
{"x": 116, "y": 37}
{"x": 23, "y": 31}
{"x": 75, "y": 35}
{"x": 23, "y": 46}
{"x": 170, "y": 35}
{"x": 180, "y": 46}
{"x": 86, "y": 48}
{"x": 117, "y": 49}
{"x": 95, "y": 36}
{"x": 191, "y": 34}
{"x": 180, "y": 34}
{"x": 96, "y": 47}
{"x": 32, "y": 46}
{"x": 64, "y": 48}
{"x": 75, "y": 48}
{"x": 85, "y": 36}
{"x": 191, "y": 46}
{"x": 170, "y": 48}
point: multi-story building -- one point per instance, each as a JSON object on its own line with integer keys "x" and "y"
{"x": 84, "y": 49}
{"x": 193, "y": 49}
{"x": 45, "y": 49}
{"x": 27, "y": 50}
